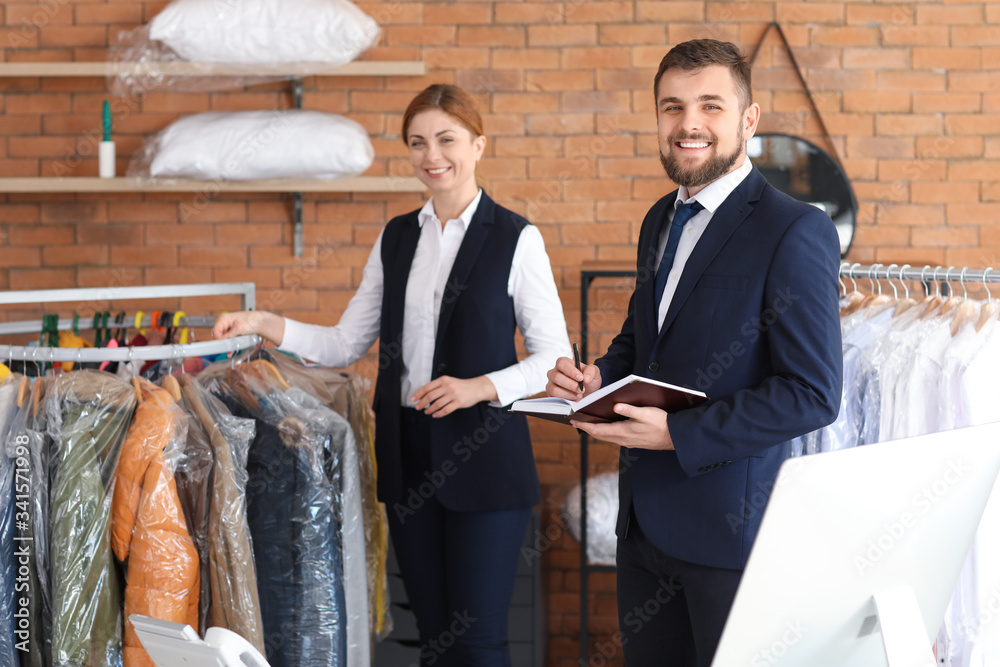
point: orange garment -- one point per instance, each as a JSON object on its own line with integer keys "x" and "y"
{"x": 70, "y": 339}
{"x": 147, "y": 522}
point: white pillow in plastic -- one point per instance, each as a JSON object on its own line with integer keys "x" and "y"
{"x": 334, "y": 32}
{"x": 243, "y": 145}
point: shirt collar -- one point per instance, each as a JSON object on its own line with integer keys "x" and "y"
{"x": 427, "y": 213}
{"x": 716, "y": 192}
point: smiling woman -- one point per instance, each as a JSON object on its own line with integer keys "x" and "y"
{"x": 444, "y": 290}
{"x": 444, "y": 153}
{"x": 444, "y": 133}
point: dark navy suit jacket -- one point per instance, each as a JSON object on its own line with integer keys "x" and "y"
{"x": 482, "y": 458}
{"x": 754, "y": 323}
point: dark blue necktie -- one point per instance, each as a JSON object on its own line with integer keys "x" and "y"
{"x": 683, "y": 213}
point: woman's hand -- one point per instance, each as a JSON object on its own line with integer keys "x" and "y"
{"x": 260, "y": 322}
{"x": 446, "y": 394}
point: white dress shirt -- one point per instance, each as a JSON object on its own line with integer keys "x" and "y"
{"x": 711, "y": 197}
{"x": 537, "y": 309}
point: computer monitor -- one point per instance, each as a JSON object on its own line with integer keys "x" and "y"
{"x": 858, "y": 553}
{"x": 177, "y": 645}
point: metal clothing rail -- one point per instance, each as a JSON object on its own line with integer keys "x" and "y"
{"x": 145, "y": 353}
{"x": 246, "y": 291}
{"x": 966, "y": 275}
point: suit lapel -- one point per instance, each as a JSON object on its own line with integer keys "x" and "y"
{"x": 727, "y": 219}
{"x": 472, "y": 245}
{"x": 398, "y": 273}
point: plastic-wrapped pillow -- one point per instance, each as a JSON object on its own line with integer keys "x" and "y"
{"x": 245, "y": 145}
{"x": 265, "y": 31}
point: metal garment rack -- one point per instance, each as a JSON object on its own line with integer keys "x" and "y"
{"x": 246, "y": 291}
{"x": 987, "y": 276}
{"x": 587, "y": 277}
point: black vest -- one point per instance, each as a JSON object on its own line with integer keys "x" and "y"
{"x": 483, "y": 454}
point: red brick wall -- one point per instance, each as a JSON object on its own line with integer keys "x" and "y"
{"x": 907, "y": 90}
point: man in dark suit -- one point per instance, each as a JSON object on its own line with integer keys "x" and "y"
{"x": 736, "y": 295}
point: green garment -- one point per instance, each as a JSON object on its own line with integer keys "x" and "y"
{"x": 89, "y": 413}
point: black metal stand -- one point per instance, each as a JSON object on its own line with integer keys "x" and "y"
{"x": 586, "y": 278}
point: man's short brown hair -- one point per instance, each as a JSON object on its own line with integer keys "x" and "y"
{"x": 699, "y": 53}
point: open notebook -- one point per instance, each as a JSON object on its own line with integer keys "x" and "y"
{"x": 598, "y": 407}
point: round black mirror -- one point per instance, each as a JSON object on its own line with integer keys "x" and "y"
{"x": 803, "y": 170}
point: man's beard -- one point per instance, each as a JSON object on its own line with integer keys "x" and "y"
{"x": 714, "y": 168}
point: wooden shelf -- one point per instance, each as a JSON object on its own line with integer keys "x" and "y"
{"x": 388, "y": 184}
{"x": 293, "y": 71}
{"x": 101, "y": 68}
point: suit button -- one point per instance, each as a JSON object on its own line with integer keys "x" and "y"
{"x": 440, "y": 369}
{"x": 653, "y": 367}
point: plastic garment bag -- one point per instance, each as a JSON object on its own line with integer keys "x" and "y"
{"x": 366, "y": 527}
{"x": 9, "y": 519}
{"x": 194, "y": 488}
{"x": 147, "y": 522}
{"x": 88, "y": 413}
{"x": 36, "y": 531}
{"x": 352, "y": 403}
{"x": 233, "y": 603}
{"x": 293, "y": 513}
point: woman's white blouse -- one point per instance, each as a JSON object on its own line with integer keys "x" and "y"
{"x": 537, "y": 309}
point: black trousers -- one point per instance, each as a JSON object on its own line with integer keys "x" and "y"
{"x": 670, "y": 612}
{"x": 458, "y": 568}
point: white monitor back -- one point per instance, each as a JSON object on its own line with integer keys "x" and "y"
{"x": 843, "y": 526}
{"x": 177, "y": 645}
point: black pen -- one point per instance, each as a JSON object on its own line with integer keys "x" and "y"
{"x": 576, "y": 360}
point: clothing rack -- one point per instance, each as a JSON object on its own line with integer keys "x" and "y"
{"x": 126, "y": 354}
{"x": 927, "y": 273}
{"x": 246, "y": 291}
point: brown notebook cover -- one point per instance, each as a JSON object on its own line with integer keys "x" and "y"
{"x": 634, "y": 390}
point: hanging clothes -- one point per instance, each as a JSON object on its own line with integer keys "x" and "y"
{"x": 36, "y": 532}
{"x": 8, "y": 525}
{"x": 194, "y": 474}
{"x": 318, "y": 567}
{"x": 916, "y": 368}
{"x": 366, "y": 530}
{"x": 352, "y": 403}
{"x": 294, "y": 518}
{"x": 234, "y": 602}
{"x": 147, "y": 522}
{"x": 88, "y": 414}
{"x": 69, "y": 339}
